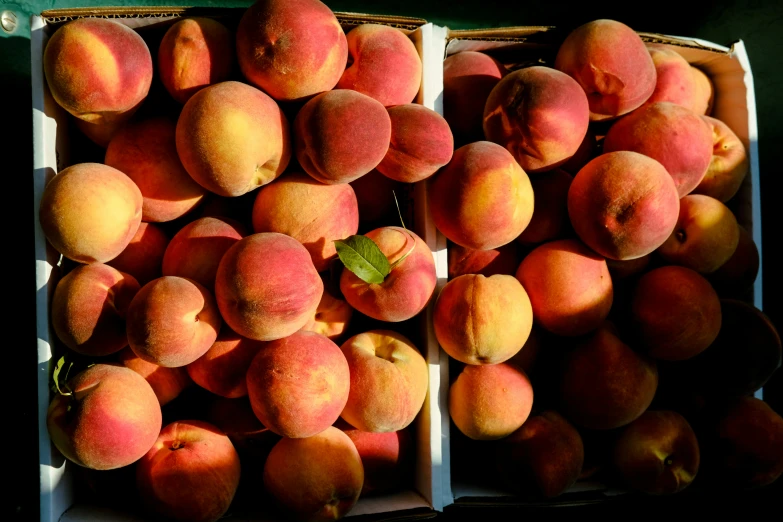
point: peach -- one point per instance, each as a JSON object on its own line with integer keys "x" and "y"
{"x": 89, "y": 308}
{"x": 313, "y": 213}
{"x": 143, "y": 257}
{"x": 223, "y": 367}
{"x": 738, "y": 274}
{"x": 421, "y": 143}
{"x": 749, "y": 444}
{"x": 383, "y": 63}
{"x": 99, "y": 133}
{"x": 318, "y": 478}
{"x": 675, "y": 136}
{"x": 190, "y": 474}
{"x": 491, "y": 401}
{"x": 232, "y": 138}
{"x": 657, "y": 453}
{"x": 676, "y": 313}
{"x": 375, "y": 196}
{"x": 147, "y": 153}
{"x": 545, "y": 454}
{"x": 539, "y": 114}
{"x": 705, "y": 237}
{"x": 193, "y": 54}
{"x": 250, "y": 438}
{"x": 167, "y": 383}
{"x": 550, "y": 216}
{"x": 605, "y": 384}
{"x": 110, "y": 419}
{"x": 408, "y": 287}
{"x": 569, "y": 287}
{"x": 90, "y": 212}
{"x": 705, "y": 92}
{"x": 331, "y": 318}
{"x": 99, "y": 70}
{"x": 267, "y": 287}
{"x": 482, "y": 199}
{"x": 388, "y": 381}
{"x": 615, "y": 82}
{"x": 291, "y": 49}
{"x": 196, "y": 250}
{"x": 341, "y": 135}
{"x": 502, "y": 260}
{"x": 675, "y": 82}
{"x": 468, "y": 78}
{"x": 172, "y": 321}
{"x": 482, "y": 320}
{"x": 729, "y": 164}
{"x": 387, "y": 458}
{"x": 587, "y": 150}
{"x": 298, "y": 385}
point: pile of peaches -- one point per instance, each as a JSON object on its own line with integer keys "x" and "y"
{"x": 596, "y": 310}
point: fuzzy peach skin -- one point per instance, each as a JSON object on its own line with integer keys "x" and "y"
{"x": 90, "y": 212}
{"x": 375, "y": 196}
{"x": 331, "y": 318}
{"x": 172, "y": 321}
{"x": 291, "y": 49}
{"x": 468, "y": 78}
{"x": 482, "y": 199}
{"x": 587, "y": 150}
{"x": 99, "y": 70}
{"x": 143, "y": 257}
{"x": 315, "y": 479}
{"x": 705, "y": 236}
{"x": 545, "y": 455}
{"x": 408, "y": 287}
{"x": 110, "y": 420}
{"x": 267, "y": 287}
{"x": 729, "y": 164}
{"x": 676, "y": 313}
{"x": 191, "y": 473}
{"x": 421, "y": 143}
{"x": 675, "y": 82}
{"x": 89, "y": 308}
{"x": 550, "y": 216}
{"x": 383, "y": 63}
{"x": 222, "y": 369}
{"x": 232, "y": 138}
{"x": 313, "y": 213}
{"x": 623, "y": 205}
{"x": 341, "y": 156}
{"x": 738, "y": 274}
{"x": 675, "y": 136}
{"x": 569, "y": 287}
{"x": 482, "y": 320}
{"x": 196, "y": 250}
{"x": 657, "y": 453}
{"x": 604, "y": 384}
{"x": 147, "y": 153}
{"x": 194, "y": 53}
{"x": 705, "y": 96}
{"x": 387, "y": 458}
{"x": 539, "y": 114}
{"x": 612, "y": 64}
{"x": 490, "y": 401}
{"x": 388, "y": 381}
{"x": 298, "y": 385}
{"x": 167, "y": 383}
{"x": 502, "y": 260}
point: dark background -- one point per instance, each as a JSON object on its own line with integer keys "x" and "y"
{"x": 759, "y": 23}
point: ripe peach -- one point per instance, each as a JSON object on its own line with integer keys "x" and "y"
{"x": 705, "y": 92}
{"x": 586, "y": 151}
{"x": 331, "y": 318}
{"x": 222, "y": 369}
{"x": 167, "y": 383}
{"x": 387, "y": 458}
{"x": 110, "y": 419}
{"x": 550, "y": 216}
{"x": 729, "y": 164}
{"x": 143, "y": 257}
{"x": 99, "y": 133}
{"x": 90, "y": 212}
{"x": 738, "y": 274}
{"x": 502, "y": 260}
{"x": 675, "y": 82}
{"x": 539, "y": 114}
{"x": 482, "y": 199}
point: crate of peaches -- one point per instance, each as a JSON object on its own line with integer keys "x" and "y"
{"x": 233, "y": 264}
{"x": 601, "y": 218}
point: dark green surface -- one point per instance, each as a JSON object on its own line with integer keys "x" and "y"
{"x": 758, "y": 23}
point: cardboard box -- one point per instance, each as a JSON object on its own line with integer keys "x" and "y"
{"x": 729, "y": 69}
{"x": 51, "y": 149}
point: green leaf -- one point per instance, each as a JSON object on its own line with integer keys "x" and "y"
{"x": 56, "y": 375}
{"x": 362, "y": 256}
